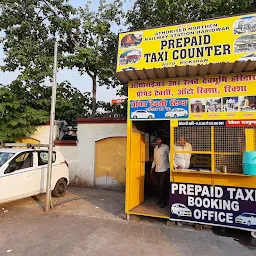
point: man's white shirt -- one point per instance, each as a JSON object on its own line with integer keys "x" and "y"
{"x": 161, "y": 158}
{"x": 182, "y": 159}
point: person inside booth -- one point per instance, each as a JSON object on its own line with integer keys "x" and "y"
{"x": 182, "y": 160}
{"x": 161, "y": 167}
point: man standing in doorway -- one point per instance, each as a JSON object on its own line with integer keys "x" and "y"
{"x": 161, "y": 165}
{"x": 182, "y": 160}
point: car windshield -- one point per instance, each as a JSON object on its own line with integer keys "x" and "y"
{"x": 246, "y": 215}
{"x": 4, "y": 157}
{"x": 182, "y": 206}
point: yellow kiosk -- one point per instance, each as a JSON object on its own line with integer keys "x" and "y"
{"x": 195, "y": 81}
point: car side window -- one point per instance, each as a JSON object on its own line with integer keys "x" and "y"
{"x": 43, "y": 157}
{"x": 22, "y": 161}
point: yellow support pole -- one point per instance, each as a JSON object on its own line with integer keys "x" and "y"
{"x": 212, "y": 153}
{"x": 172, "y": 142}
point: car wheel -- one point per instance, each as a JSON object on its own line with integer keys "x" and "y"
{"x": 248, "y": 223}
{"x": 175, "y": 116}
{"x": 60, "y": 188}
{"x": 178, "y": 214}
{"x": 150, "y": 116}
{"x": 134, "y": 117}
{"x": 253, "y": 234}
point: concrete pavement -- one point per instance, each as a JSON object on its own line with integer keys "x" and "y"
{"x": 92, "y": 222}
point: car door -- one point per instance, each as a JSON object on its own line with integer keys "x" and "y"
{"x": 17, "y": 179}
{"x": 139, "y": 114}
{"x": 253, "y": 219}
{"x": 42, "y": 162}
{"x": 144, "y": 114}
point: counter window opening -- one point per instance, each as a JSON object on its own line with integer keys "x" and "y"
{"x": 214, "y": 149}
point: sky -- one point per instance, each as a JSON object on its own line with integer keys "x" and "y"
{"x": 83, "y": 82}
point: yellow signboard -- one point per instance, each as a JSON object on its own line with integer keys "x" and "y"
{"x": 221, "y": 97}
{"x": 212, "y": 41}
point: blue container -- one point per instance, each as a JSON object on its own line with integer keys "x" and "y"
{"x": 249, "y": 163}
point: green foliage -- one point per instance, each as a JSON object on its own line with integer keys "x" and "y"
{"x": 30, "y": 28}
{"x": 18, "y": 117}
{"x": 24, "y": 106}
{"x": 85, "y": 38}
{"x": 71, "y": 103}
{"x": 95, "y": 51}
{"x": 109, "y": 110}
{"x": 151, "y": 13}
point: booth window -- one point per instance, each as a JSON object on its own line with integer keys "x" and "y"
{"x": 200, "y": 140}
{"x": 229, "y": 145}
{"x": 216, "y": 148}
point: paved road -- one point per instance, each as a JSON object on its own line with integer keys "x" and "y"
{"x": 94, "y": 225}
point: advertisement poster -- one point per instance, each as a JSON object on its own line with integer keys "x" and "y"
{"x": 212, "y": 41}
{"x": 159, "y": 108}
{"x": 218, "y": 205}
{"x": 221, "y": 97}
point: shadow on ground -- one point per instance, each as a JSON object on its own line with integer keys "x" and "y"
{"x": 242, "y": 237}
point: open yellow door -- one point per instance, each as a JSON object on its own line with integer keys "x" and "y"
{"x": 135, "y": 167}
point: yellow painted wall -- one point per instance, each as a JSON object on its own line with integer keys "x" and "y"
{"x": 110, "y": 161}
{"x": 28, "y": 140}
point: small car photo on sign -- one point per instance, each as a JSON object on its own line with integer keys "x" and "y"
{"x": 131, "y": 40}
{"x": 176, "y": 112}
{"x": 247, "y": 219}
{"x": 245, "y": 25}
{"x": 251, "y": 57}
{"x": 142, "y": 114}
{"x": 245, "y": 44}
{"x": 181, "y": 210}
{"x": 130, "y": 57}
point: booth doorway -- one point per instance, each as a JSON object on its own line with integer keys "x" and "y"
{"x": 143, "y": 187}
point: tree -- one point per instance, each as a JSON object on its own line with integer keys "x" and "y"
{"x": 95, "y": 51}
{"x": 152, "y": 13}
{"x": 30, "y": 28}
{"x": 110, "y": 110}
{"x": 24, "y": 106}
{"x": 72, "y": 103}
{"x": 85, "y": 39}
{"x": 18, "y": 118}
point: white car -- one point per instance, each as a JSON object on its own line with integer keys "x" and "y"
{"x": 177, "y": 112}
{"x": 246, "y": 218}
{"x": 251, "y": 57}
{"x": 142, "y": 114}
{"x": 23, "y": 173}
{"x": 181, "y": 210}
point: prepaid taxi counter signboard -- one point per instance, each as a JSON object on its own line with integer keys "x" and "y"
{"x": 221, "y": 97}
{"x": 212, "y": 41}
{"x": 217, "y": 205}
